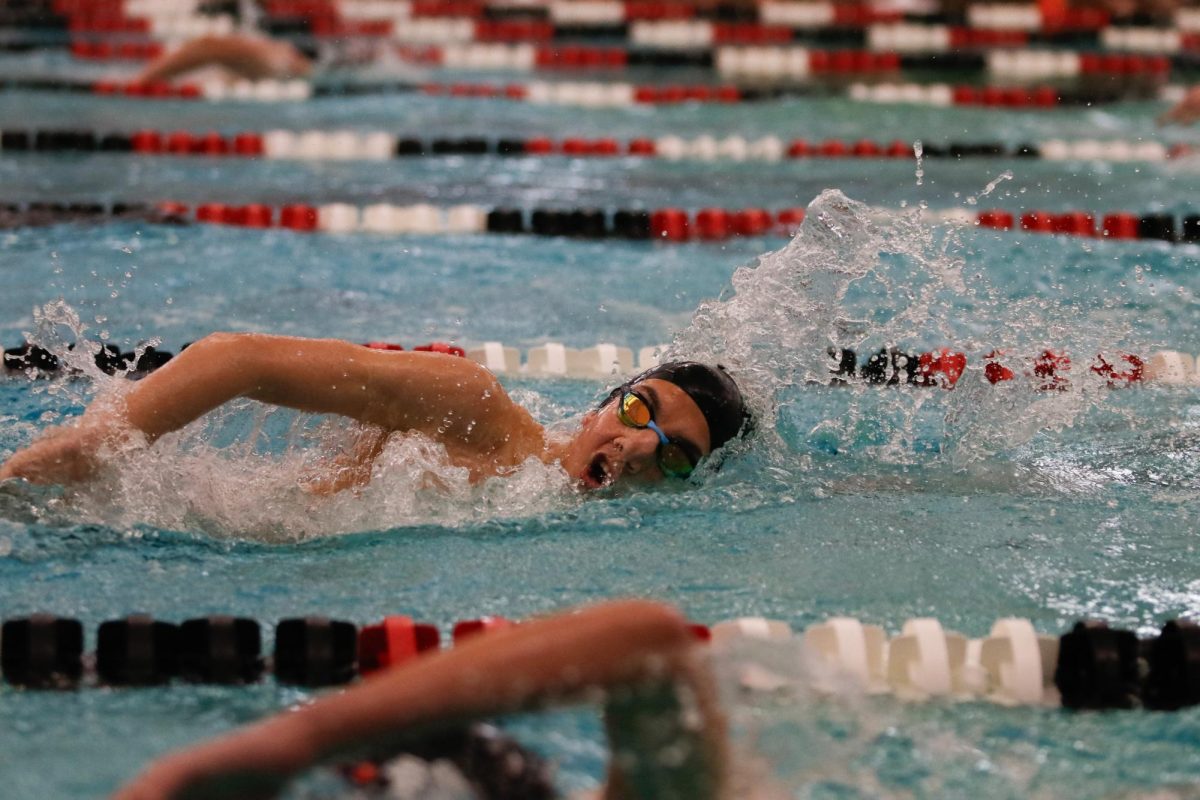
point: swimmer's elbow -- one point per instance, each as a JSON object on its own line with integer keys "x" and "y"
{"x": 220, "y": 347}
{"x": 666, "y": 622}
{"x": 220, "y": 339}
{"x": 228, "y": 359}
{"x": 658, "y": 625}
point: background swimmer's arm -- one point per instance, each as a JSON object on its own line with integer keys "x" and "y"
{"x": 245, "y": 56}
{"x": 455, "y": 399}
{"x": 618, "y": 647}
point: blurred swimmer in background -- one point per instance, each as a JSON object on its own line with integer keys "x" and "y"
{"x": 666, "y": 731}
{"x": 1185, "y": 112}
{"x": 229, "y": 57}
{"x": 659, "y": 425}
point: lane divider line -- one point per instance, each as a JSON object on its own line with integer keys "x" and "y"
{"x": 1047, "y": 370}
{"x": 1092, "y": 666}
{"x": 349, "y": 145}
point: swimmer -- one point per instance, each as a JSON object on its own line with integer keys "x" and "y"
{"x": 1185, "y": 112}
{"x": 234, "y": 56}
{"x": 660, "y": 424}
{"x": 665, "y": 729}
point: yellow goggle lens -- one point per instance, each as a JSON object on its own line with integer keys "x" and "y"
{"x": 634, "y": 411}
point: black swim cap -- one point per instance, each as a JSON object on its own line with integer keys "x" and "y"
{"x": 713, "y": 390}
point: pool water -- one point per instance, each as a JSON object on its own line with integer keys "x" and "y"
{"x": 882, "y": 503}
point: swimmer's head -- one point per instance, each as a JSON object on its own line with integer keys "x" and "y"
{"x": 659, "y": 424}
{"x": 714, "y": 392}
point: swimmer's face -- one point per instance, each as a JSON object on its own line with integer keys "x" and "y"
{"x": 607, "y": 450}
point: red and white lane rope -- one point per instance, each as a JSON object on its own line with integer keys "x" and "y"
{"x": 619, "y": 94}
{"x": 345, "y": 145}
{"x": 662, "y": 224}
{"x": 944, "y": 368}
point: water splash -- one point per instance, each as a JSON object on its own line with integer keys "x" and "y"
{"x": 193, "y": 480}
{"x": 856, "y": 278}
{"x": 991, "y": 187}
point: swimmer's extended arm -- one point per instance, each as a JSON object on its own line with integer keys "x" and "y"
{"x": 245, "y": 56}
{"x": 635, "y": 647}
{"x": 454, "y": 399}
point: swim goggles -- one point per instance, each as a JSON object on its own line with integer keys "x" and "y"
{"x": 673, "y": 457}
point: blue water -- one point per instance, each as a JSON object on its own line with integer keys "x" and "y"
{"x": 880, "y": 503}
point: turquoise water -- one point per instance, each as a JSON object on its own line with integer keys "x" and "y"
{"x": 880, "y": 503}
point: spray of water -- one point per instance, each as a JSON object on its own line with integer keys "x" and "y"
{"x": 860, "y": 279}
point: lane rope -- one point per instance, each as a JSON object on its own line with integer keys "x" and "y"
{"x": 1047, "y": 370}
{"x": 615, "y": 94}
{"x": 674, "y": 225}
{"x": 1092, "y": 666}
{"x": 348, "y": 145}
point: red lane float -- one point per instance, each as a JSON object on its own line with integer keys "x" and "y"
{"x": 751, "y": 34}
{"x": 670, "y": 224}
{"x": 1120, "y": 226}
{"x": 298, "y": 217}
{"x": 393, "y": 641}
{"x": 941, "y": 368}
{"x": 712, "y": 224}
{"x": 256, "y": 215}
{"x": 998, "y": 220}
{"x": 443, "y": 348}
{"x": 1012, "y": 97}
{"x": 1133, "y": 370}
{"x": 642, "y": 147}
{"x": 473, "y": 627}
{"x": 788, "y": 221}
{"x": 752, "y": 222}
{"x": 993, "y": 370}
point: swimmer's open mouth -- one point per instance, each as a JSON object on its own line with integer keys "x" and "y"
{"x": 598, "y": 475}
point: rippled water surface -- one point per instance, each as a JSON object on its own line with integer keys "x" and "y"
{"x": 883, "y": 503}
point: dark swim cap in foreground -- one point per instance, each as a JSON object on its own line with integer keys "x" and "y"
{"x": 713, "y": 390}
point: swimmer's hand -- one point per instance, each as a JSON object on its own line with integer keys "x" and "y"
{"x": 254, "y": 763}
{"x": 1185, "y": 112}
{"x": 62, "y": 455}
